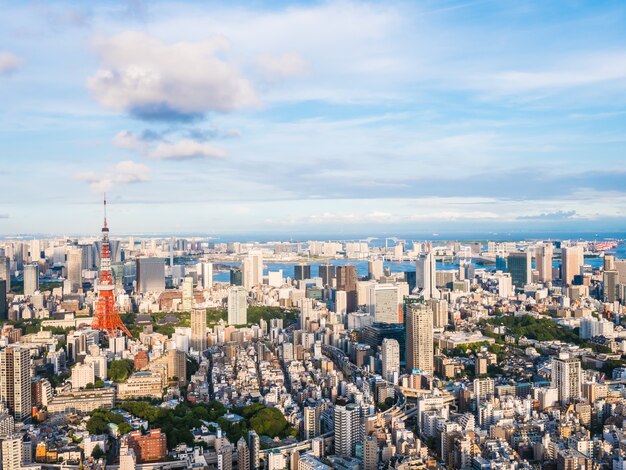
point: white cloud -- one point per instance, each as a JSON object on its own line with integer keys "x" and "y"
{"x": 184, "y": 149}
{"x": 9, "y": 63}
{"x": 149, "y": 79}
{"x": 282, "y": 66}
{"x": 125, "y": 172}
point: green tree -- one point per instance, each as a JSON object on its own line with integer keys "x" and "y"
{"x": 98, "y": 453}
{"x": 119, "y": 370}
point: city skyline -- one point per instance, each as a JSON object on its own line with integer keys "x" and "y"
{"x": 407, "y": 117}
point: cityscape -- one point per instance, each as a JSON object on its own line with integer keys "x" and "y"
{"x": 313, "y": 234}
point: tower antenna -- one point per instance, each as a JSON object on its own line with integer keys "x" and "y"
{"x": 105, "y": 209}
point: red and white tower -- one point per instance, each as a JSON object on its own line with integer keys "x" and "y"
{"x": 106, "y": 317}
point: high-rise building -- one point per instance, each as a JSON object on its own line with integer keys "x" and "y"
{"x": 198, "y": 329}
{"x": 426, "y": 276}
{"x": 419, "y": 338}
{"x": 31, "y": 279}
{"x": 543, "y": 261}
{"x": 252, "y": 270}
{"x": 237, "y": 306}
{"x": 5, "y": 272}
{"x": 311, "y": 423}
{"x": 370, "y": 453}
{"x": 187, "y": 297}
{"x": 327, "y": 273}
{"x": 390, "y": 352}
{"x": 572, "y": 260}
{"x": 566, "y": 377}
{"x": 74, "y": 266}
{"x": 347, "y": 428}
{"x": 519, "y": 265}
{"x": 346, "y": 281}
{"x": 4, "y": 307}
{"x": 382, "y": 302}
{"x": 236, "y": 277}
{"x": 225, "y": 457}
{"x": 150, "y": 275}
{"x": 206, "y": 274}
{"x": 375, "y": 269}
{"x": 301, "y": 271}
{"x": 440, "y": 312}
{"x": 243, "y": 454}
{"x": 13, "y": 451}
{"x": 254, "y": 445}
{"x": 15, "y": 386}
{"x": 610, "y": 281}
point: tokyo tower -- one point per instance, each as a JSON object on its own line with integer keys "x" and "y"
{"x": 106, "y": 317}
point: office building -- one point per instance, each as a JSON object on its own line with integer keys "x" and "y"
{"x": 5, "y": 272}
{"x": 375, "y": 269}
{"x": 419, "y": 338}
{"x": 252, "y": 270}
{"x": 347, "y": 428}
{"x": 426, "y": 276}
{"x": 327, "y": 273}
{"x": 382, "y": 302}
{"x": 74, "y": 267}
{"x": 390, "y": 358}
{"x": 543, "y": 261}
{"x": 206, "y": 274}
{"x": 236, "y": 277}
{"x": 187, "y": 297}
{"x": 150, "y": 275}
{"x": 31, "y": 279}
{"x": 301, "y": 271}
{"x": 572, "y": 260}
{"x": 440, "y": 312}
{"x": 610, "y": 281}
{"x": 198, "y": 330}
{"x": 566, "y": 377}
{"x": 15, "y": 382}
{"x": 346, "y": 281}
{"x": 237, "y": 306}
{"x": 151, "y": 447}
{"x": 4, "y": 306}
{"x": 519, "y": 265}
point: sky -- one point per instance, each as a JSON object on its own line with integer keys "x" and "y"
{"x": 312, "y": 117}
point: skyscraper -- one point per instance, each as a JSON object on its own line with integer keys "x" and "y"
{"x": 426, "y": 276}
{"x": 301, "y": 271}
{"x": 543, "y": 261}
{"x": 15, "y": 387}
{"x": 243, "y": 455}
{"x": 346, "y": 281}
{"x": 347, "y": 428}
{"x": 327, "y": 273}
{"x": 198, "y": 329}
{"x": 237, "y": 306}
{"x": 370, "y": 453}
{"x": 382, "y": 302}
{"x": 440, "y": 312}
{"x": 572, "y": 260}
{"x": 566, "y": 377}
{"x": 5, "y": 271}
{"x": 252, "y": 270}
{"x": 206, "y": 273}
{"x": 74, "y": 266}
{"x": 31, "y": 279}
{"x": 375, "y": 269}
{"x": 254, "y": 445}
{"x": 187, "y": 297}
{"x": 419, "y": 338}
{"x": 519, "y": 265}
{"x": 390, "y": 352}
{"x": 610, "y": 281}
{"x": 311, "y": 423}
{"x": 150, "y": 275}
{"x": 236, "y": 277}
{"x": 4, "y": 308}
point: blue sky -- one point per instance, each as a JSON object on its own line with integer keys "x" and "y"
{"x": 285, "y": 117}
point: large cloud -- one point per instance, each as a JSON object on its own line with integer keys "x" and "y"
{"x": 9, "y": 63}
{"x": 181, "y": 81}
